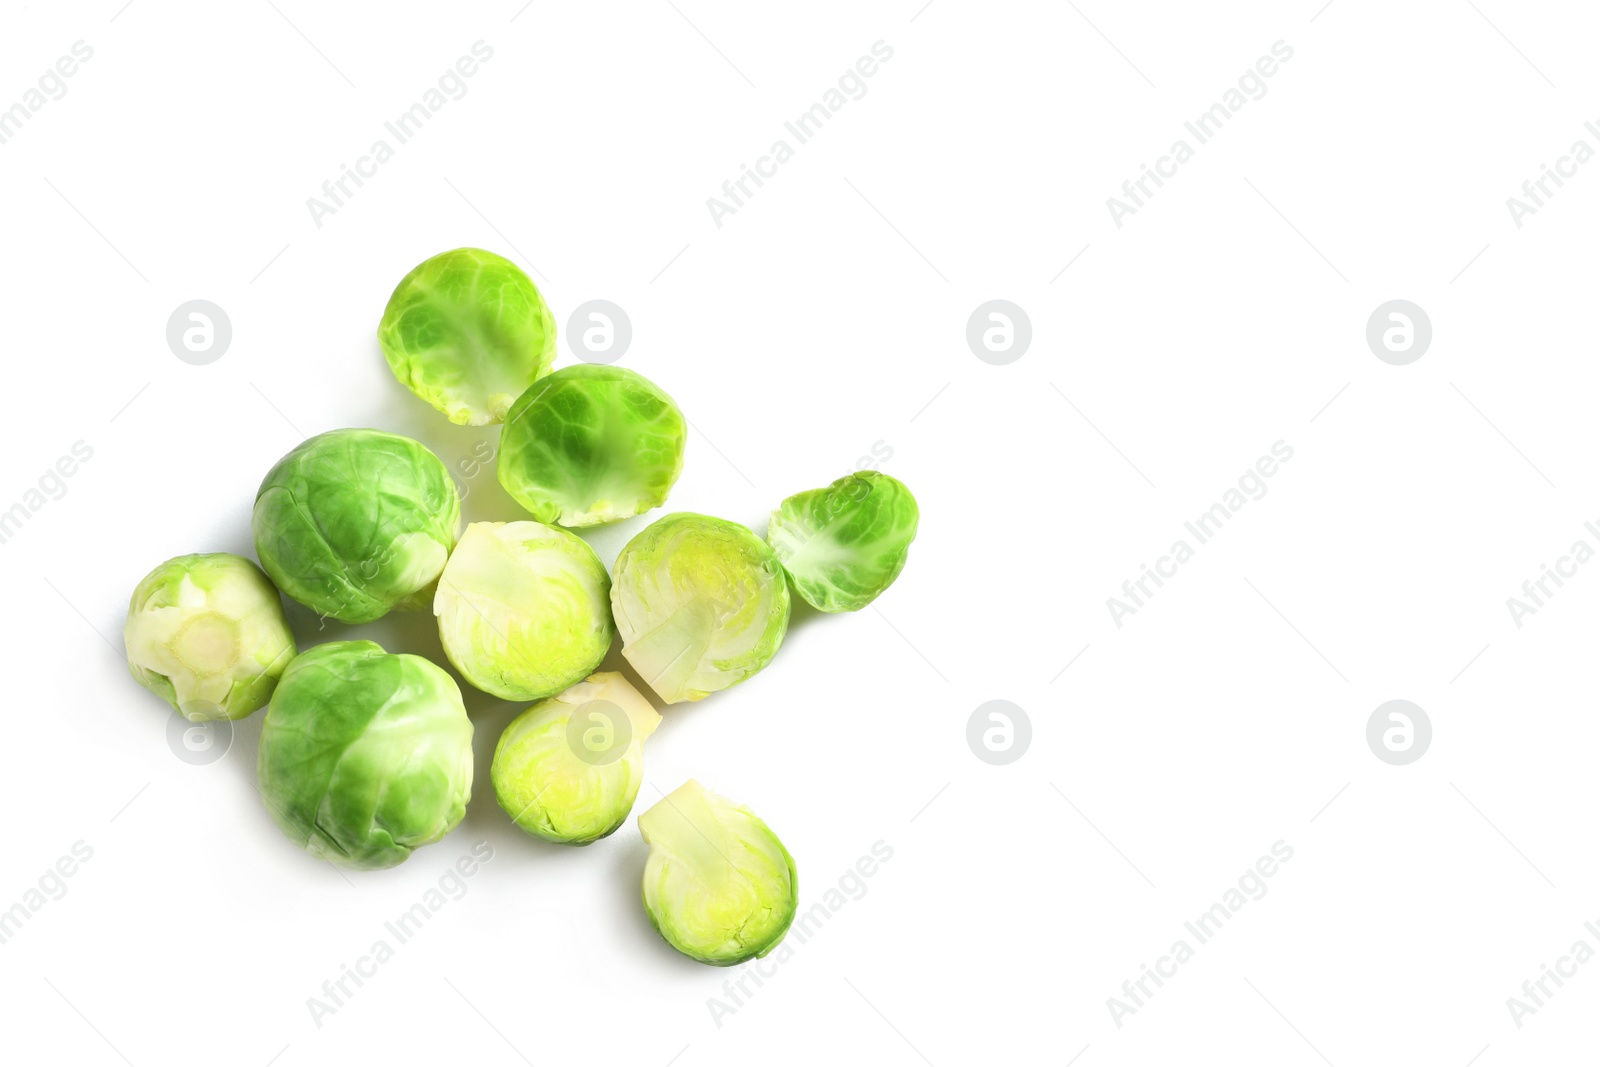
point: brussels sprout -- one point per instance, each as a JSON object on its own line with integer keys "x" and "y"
{"x": 568, "y": 769}
{"x": 522, "y": 609}
{"x": 468, "y": 332}
{"x": 701, "y": 604}
{"x": 844, "y": 545}
{"x": 719, "y": 885}
{"x": 591, "y": 444}
{"x": 354, "y": 523}
{"x": 365, "y": 756}
{"x": 207, "y": 634}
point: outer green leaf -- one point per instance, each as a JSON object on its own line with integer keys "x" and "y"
{"x": 355, "y": 523}
{"x": 365, "y": 756}
{"x": 468, "y": 332}
{"x": 523, "y": 609}
{"x": 701, "y": 604}
{"x": 207, "y": 634}
{"x": 844, "y": 545}
{"x": 591, "y": 444}
{"x": 719, "y": 885}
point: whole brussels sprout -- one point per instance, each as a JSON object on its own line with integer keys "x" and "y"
{"x": 355, "y": 523}
{"x": 591, "y": 444}
{"x": 844, "y": 545}
{"x": 568, "y": 768}
{"x": 701, "y": 604}
{"x": 206, "y": 633}
{"x": 365, "y": 756}
{"x": 522, "y": 609}
{"x": 468, "y": 332}
{"x": 718, "y": 885}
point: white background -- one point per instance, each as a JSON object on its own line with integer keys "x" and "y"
{"x": 827, "y": 315}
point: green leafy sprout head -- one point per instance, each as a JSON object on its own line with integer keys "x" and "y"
{"x": 844, "y": 545}
{"x": 365, "y": 756}
{"x": 355, "y": 523}
{"x": 523, "y": 609}
{"x": 468, "y": 332}
{"x": 206, "y": 633}
{"x": 591, "y": 444}
{"x": 701, "y": 604}
{"x": 568, "y": 768}
{"x": 718, "y": 885}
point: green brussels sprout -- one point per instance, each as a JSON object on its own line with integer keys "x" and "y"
{"x": 591, "y": 444}
{"x": 206, "y": 633}
{"x": 718, "y": 885}
{"x": 701, "y": 604}
{"x": 568, "y": 768}
{"x": 355, "y": 523}
{"x": 365, "y": 756}
{"x": 522, "y": 609}
{"x": 468, "y": 332}
{"x": 844, "y": 545}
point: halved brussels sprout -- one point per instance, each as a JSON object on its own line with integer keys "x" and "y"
{"x": 354, "y": 523}
{"x": 468, "y": 332}
{"x": 845, "y": 544}
{"x": 365, "y": 756}
{"x": 568, "y": 768}
{"x": 719, "y": 885}
{"x": 522, "y": 609}
{"x": 591, "y": 444}
{"x": 206, "y": 633}
{"x": 701, "y": 604}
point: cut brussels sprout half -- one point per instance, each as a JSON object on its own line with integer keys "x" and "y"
{"x": 206, "y": 633}
{"x": 365, "y": 756}
{"x": 355, "y": 523}
{"x": 468, "y": 332}
{"x": 718, "y": 885}
{"x": 591, "y": 444}
{"x": 701, "y": 604}
{"x": 568, "y": 768}
{"x": 844, "y": 545}
{"x": 522, "y": 609}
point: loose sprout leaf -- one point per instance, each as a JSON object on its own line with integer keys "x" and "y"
{"x": 468, "y": 332}
{"x": 591, "y": 444}
{"x": 718, "y": 885}
{"x": 356, "y": 523}
{"x": 523, "y": 609}
{"x": 364, "y": 755}
{"x": 701, "y": 604}
{"x": 844, "y": 545}
{"x": 568, "y": 769}
{"x": 207, "y": 634}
